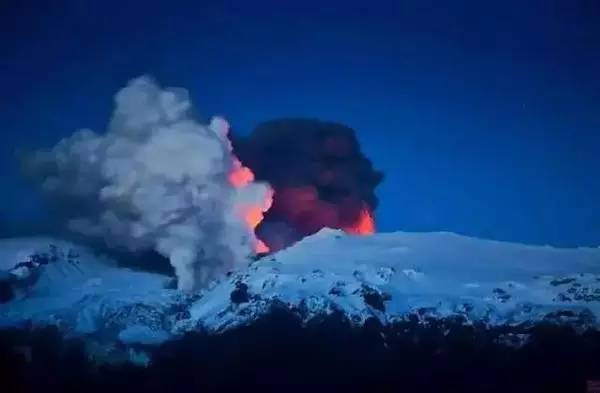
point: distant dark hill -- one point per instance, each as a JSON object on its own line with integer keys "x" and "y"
{"x": 277, "y": 352}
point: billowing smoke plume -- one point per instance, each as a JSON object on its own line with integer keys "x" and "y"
{"x": 319, "y": 174}
{"x": 156, "y": 180}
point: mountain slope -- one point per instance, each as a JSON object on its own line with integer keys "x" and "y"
{"x": 390, "y": 277}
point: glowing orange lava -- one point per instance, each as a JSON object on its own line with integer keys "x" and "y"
{"x": 365, "y": 225}
{"x": 239, "y": 177}
{"x": 261, "y": 247}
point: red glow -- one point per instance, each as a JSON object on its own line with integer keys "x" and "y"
{"x": 253, "y": 216}
{"x": 261, "y": 247}
{"x": 307, "y": 213}
{"x": 365, "y": 225}
{"x": 241, "y": 176}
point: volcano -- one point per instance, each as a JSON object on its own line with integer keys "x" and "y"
{"x": 386, "y": 276}
{"x": 313, "y": 313}
{"x": 334, "y": 308}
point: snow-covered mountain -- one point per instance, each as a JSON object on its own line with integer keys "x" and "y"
{"x": 390, "y": 277}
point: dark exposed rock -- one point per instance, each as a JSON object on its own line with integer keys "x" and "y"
{"x": 338, "y": 289}
{"x": 373, "y": 298}
{"x": 278, "y": 350}
{"x": 562, "y": 281}
{"x": 6, "y": 291}
{"x": 563, "y": 298}
{"x": 501, "y": 295}
{"x": 240, "y": 293}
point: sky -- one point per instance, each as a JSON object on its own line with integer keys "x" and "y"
{"x": 484, "y": 116}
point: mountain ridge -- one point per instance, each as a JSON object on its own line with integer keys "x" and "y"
{"x": 389, "y": 278}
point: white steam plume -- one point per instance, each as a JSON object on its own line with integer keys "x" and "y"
{"x": 157, "y": 179}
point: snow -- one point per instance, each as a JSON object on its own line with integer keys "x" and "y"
{"x": 387, "y": 276}
{"x": 72, "y": 287}
{"x": 441, "y": 272}
{"x": 143, "y": 335}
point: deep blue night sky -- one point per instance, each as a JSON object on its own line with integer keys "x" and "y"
{"x": 485, "y": 118}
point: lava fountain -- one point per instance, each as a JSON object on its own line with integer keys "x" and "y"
{"x": 364, "y": 225}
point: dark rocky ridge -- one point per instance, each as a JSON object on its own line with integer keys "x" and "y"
{"x": 326, "y": 354}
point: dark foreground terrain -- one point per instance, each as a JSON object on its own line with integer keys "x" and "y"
{"x": 328, "y": 355}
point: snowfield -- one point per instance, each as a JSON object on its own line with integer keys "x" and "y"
{"x": 388, "y": 276}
